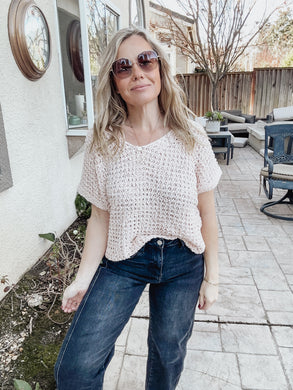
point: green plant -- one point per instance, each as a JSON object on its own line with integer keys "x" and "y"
{"x": 214, "y": 116}
{"x": 82, "y": 206}
{"x": 22, "y": 385}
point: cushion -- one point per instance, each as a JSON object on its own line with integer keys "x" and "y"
{"x": 234, "y": 112}
{"x": 283, "y": 113}
{"x": 248, "y": 118}
{"x": 240, "y": 142}
{"x": 281, "y": 171}
{"x": 234, "y": 118}
{"x": 237, "y": 126}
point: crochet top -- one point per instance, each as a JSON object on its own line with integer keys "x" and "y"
{"x": 150, "y": 191}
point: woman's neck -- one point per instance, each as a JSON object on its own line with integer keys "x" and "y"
{"x": 144, "y": 119}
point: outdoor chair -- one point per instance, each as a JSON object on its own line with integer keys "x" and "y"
{"x": 278, "y": 166}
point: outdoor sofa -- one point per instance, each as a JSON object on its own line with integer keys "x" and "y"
{"x": 279, "y": 116}
{"x": 237, "y": 122}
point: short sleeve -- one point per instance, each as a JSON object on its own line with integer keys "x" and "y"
{"x": 92, "y": 185}
{"x": 208, "y": 172}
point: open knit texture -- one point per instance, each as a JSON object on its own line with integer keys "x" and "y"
{"x": 150, "y": 191}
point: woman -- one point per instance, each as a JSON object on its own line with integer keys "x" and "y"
{"x": 149, "y": 173}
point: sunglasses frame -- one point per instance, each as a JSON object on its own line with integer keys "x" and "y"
{"x": 129, "y": 73}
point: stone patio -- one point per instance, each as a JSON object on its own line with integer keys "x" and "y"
{"x": 245, "y": 341}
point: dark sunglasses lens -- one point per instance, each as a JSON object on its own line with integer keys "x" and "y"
{"x": 122, "y": 68}
{"x": 148, "y": 60}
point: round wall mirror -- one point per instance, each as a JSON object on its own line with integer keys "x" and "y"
{"x": 74, "y": 49}
{"x": 29, "y": 38}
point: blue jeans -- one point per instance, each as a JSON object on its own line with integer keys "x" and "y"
{"x": 175, "y": 274}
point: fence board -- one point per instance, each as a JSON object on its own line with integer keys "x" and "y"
{"x": 256, "y": 92}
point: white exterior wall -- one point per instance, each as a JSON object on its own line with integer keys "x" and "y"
{"x": 44, "y": 177}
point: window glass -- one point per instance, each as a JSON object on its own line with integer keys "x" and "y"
{"x": 72, "y": 64}
{"x": 80, "y": 68}
{"x": 136, "y": 10}
{"x": 102, "y": 24}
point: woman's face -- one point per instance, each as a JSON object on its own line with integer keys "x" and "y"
{"x": 140, "y": 87}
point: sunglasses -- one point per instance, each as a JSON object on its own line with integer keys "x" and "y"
{"x": 147, "y": 61}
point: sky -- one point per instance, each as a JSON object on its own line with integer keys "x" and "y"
{"x": 258, "y": 9}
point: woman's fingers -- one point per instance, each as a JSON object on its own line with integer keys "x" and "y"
{"x": 72, "y": 298}
{"x": 207, "y": 296}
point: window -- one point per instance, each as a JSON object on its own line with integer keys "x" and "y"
{"x": 136, "y": 13}
{"x": 72, "y": 65}
{"x": 5, "y": 173}
{"x": 102, "y": 23}
{"x": 85, "y": 28}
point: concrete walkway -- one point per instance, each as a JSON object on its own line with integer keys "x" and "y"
{"x": 245, "y": 341}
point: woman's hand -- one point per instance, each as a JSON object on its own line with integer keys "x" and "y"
{"x": 73, "y": 295}
{"x": 208, "y": 294}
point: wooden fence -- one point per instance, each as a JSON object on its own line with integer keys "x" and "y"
{"x": 256, "y": 92}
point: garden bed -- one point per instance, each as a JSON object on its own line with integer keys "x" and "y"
{"x": 32, "y": 325}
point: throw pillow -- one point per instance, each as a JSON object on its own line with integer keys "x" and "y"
{"x": 283, "y": 113}
{"x": 233, "y": 118}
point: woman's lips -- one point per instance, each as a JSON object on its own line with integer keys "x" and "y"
{"x": 139, "y": 87}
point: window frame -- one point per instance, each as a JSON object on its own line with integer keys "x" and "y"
{"x": 5, "y": 170}
{"x": 140, "y": 10}
{"x": 82, "y": 131}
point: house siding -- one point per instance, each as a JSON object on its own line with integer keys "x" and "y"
{"x": 44, "y": 176}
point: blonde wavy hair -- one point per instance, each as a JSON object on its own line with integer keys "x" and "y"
{"x": 111, "y": 110}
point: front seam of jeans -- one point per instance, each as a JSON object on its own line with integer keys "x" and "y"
{"x": 69, "y": 337}
{"x": 162, "y": 262}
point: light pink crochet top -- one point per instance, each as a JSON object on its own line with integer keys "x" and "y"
{"x": 150, "y": 191}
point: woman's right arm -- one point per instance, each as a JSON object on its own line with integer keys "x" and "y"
{"x": 93, "y": 252}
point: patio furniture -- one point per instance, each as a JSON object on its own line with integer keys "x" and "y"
{"x": 237, "y": 122}
{"x": 278, "y": 166}
{"x": 222, "y": 142}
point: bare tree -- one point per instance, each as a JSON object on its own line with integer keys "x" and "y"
{"x": 218, "y": 36}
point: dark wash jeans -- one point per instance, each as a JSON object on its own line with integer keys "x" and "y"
{"x": 175, "y": 274}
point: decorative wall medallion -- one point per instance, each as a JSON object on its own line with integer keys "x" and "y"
{"x": 29, "y": 37}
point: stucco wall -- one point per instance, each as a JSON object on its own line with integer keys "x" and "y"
{"x": 44, "y": 177}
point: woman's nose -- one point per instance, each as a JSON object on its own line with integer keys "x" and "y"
{"x": 136, "y": 71}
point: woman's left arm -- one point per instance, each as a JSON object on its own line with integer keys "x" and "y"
{"x": 209, "y": 288}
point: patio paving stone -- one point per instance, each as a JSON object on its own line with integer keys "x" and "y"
{"x": 137, "y": 340}
{"x": 259, "y": 230}
{"x": 133, "y": 371}
{"x": 205, "y": 341}
{"x": 287, "y": 359}
{"x": 280, "y": 317}
{"x": 276, "y": 300}
{"x": 251, "y": 339}
{"x": 113, "y": 372}
{"x": 262, "y": 372}
{"x": 234, "y": 275}
{"x": 210, "y": 370}
{"x": 235, "y": 243}
{"x": 233, "y": 231}
{"x": 255, "y": 243}
{"x": 283, "y": 336}
{"x": 270, "y": 279}
{"x": 230, "y": 220}
{"x": 238, "y": 301}
{"x": 253, "y": 259}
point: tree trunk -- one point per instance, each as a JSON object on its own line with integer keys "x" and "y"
{"x": 214, "y": 96}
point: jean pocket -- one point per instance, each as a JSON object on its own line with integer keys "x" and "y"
{"x": 139, "y": 253}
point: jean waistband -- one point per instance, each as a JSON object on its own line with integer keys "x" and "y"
{"x": 163, "y": 242}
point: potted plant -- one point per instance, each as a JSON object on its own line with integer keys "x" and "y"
{"x": 214, "y": 119}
